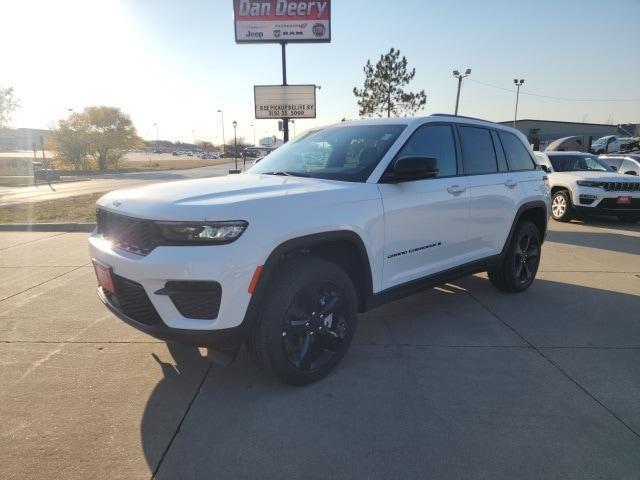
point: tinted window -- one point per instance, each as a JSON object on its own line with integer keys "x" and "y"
{"x": 478, "y": 155}
{"x": 578, "y": 163}
{"x": 614, "y": 162}
{"x": 517, "y": 154}
{"x": 348, "y": 153}
{"x": 434, "y": 141}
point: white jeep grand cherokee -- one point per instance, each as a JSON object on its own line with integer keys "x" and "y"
{"x": 340, "y": 220}
{"x": 583, "y": 184}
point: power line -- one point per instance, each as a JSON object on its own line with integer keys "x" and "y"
{"x": 557, "y": 98}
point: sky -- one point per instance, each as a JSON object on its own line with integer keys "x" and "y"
{"x": 175, "y": 63}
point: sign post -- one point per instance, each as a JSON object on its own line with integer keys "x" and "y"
{"x": 282, "y": 21}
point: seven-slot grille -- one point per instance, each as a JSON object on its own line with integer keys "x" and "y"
{"x": 132, "y": 234}
{"x": 621, "y": 186}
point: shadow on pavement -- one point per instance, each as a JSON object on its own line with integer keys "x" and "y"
{"x": 614, "y": 242}
{"x": 416, "y": 411}
{"x": 607, "y": 222}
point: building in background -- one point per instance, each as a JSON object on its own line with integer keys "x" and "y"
{"x": 22, "y": 138}
{"x": 542, "y": 132}
{"x": 272, "y": 141}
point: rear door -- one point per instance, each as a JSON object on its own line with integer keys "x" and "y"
{"x": 522, "y": 166}
{"x": 494, "y": 191}
{"x": 426, "y": 220}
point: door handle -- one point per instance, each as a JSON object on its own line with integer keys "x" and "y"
{"x": 511, "y": 183}
{"x": 456, "y": 189}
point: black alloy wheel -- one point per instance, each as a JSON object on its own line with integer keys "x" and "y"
{"x": 527, "y": 256}
{"x": 521, "y": 260}
{"x": 307, "y": 320}
{"x": 315, "y": 326}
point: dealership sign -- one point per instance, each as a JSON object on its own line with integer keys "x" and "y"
{"x": 285, "y": 101}
{"x": 282, "y": 21}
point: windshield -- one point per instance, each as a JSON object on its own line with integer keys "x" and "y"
{"x": 348, "y": 153}
{"x": 578, "y": 163}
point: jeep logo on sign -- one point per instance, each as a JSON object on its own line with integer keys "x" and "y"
{"x": 276, "y": 33}
{"x": 254, "y": 34}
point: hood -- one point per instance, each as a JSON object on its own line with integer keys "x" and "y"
{"x": 602, "y": 176}
{"x": 233, "y": 197}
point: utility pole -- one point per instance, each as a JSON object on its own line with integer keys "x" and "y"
{"x": 459, "y": 76}
{"x": 518, "y": 85}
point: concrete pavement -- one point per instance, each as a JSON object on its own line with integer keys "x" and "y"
{"x": 458, "y": 382}
{"x": 105, "y": 183}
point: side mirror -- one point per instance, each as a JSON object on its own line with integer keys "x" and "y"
{"x": 613, "y": 168}
{"x": 545, "y": 169}
{"x": 413, "y": 167}
{"x": 630, "y": 172}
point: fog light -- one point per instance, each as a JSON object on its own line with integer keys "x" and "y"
{"x": 587, "y": 199}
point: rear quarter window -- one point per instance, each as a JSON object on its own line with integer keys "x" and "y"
{"x": 518, "y": 157}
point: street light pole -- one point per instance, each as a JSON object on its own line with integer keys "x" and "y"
{"x": 157, "y": 137}
{"x": 235, "y": 144}
{"x": 224, "y": 143}
{"x": 518, "y": 85}
{"x": 459, "y": 76}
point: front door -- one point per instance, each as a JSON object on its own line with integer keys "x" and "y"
{"x": 426, "y": 220}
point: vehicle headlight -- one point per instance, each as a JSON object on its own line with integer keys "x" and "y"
{"x": 588, "y": 183}
{"x": 202, "y": 232}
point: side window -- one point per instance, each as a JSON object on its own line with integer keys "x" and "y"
{"x": 628, "y": 166}
{"x": 518, "y": 156}
{"x": 434, "y": 141}
{"x": 614, "y": 162}
{"x": 478, "y": 154}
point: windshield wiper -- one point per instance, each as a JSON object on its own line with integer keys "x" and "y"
{"x": 287, "y": 174}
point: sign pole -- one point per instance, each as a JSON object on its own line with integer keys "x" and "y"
{"x": 285, "y": 121}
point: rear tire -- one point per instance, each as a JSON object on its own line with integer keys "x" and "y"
{"x": 561, "y": 207}
{"x": 521, "y": 261}
{"x": 308, "y": 319}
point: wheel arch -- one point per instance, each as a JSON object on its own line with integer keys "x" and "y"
{"x": 536, "y": 212}
{"x": 345, "y": 248}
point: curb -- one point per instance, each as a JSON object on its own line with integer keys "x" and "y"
{"x": 47, "y": 227}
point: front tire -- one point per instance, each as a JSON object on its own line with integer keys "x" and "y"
{"x": 308, "y": 320}
{"x": 561, "y": 208}
{"x": 521, "y": 261}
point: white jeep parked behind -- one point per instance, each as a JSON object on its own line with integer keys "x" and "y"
{"x": 583, "y": 184}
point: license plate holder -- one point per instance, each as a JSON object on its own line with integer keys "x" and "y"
{"x": 104, "y": 273}
{"x": 625, "y": 200}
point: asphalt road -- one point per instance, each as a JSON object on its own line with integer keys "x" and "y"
{"x": 105, "y": 183}
{"x": 460, "y": 382}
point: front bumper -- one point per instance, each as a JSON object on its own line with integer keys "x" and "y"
{"x": 591, "y": 201}
{"x": 226, "y": 340}
{"x": 231, "y": 266}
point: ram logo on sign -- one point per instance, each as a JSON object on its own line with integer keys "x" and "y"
{"x": 282, "y": 21}
{"x": 285, "y": 101}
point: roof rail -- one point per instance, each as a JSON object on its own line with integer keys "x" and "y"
{"x": 459, "y": 116}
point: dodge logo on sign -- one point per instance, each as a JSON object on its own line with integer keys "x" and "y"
{"x": 282, "y": 20}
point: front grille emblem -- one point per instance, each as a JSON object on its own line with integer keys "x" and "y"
{"x": 116, "y": 203}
